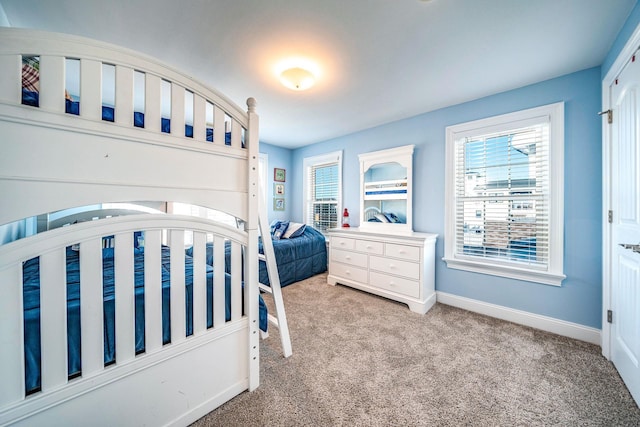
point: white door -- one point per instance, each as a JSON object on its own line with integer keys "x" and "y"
{"x": 625, "y": 232}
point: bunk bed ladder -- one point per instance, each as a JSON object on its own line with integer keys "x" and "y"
{"x": 280, "y": 319}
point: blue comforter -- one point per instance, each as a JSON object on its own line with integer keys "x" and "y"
{"x": 297, "y": 259}
{"x": 31, "y": 297}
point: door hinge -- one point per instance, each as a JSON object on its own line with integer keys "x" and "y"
{"x": 609, "y": 316}
{"x": 609, "y": 114}
{"x": 610, "y": 216}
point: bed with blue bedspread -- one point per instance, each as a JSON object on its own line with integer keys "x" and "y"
{"x": 31, "y": 295}
{"x": 298, "y": 256}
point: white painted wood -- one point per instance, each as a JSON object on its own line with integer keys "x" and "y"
{"x": 109, "y": 165}
{"x": 91, "y": 307}
{"x": 544, "y": 323}
{"x": 625, "y": 203}
{"x": 10, "y": 84}
{"x": 52, "y": 78}
{"x": 630, "y": 48}
{"x": 397, "y": 274}
{"x": 177, "y": 293}
{"x": 236, "y": 134}
{"x": 177, "y": 110}
{"x": 124, "y": 96}
{"x": 199, "y": 283}
{"x": 199, "y": 118}
{"x": 274, "y": 281}
{"x": 218, "y": 125}
{"x": 218, "y": 282}
{"x": 124, "y": 298}
{"x": 153, "y": 102}
{"x": 153, "y": 290}
{"x": 11, "y": 335}
{"x": 53, "y": 319}
{"x": 91, "y": 89}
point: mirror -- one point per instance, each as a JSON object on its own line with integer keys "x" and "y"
{"x": 385, "y": 181}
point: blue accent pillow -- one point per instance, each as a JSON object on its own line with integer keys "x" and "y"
{"x": 280, "y": 229}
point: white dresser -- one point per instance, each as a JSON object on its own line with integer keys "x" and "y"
{"x": 399, "y": 266}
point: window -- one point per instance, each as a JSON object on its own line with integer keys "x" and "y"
{"x": 504, "y": 195}
{"x": 323, "y": 190}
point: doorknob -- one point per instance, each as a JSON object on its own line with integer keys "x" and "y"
{"x": 634, "y": 248}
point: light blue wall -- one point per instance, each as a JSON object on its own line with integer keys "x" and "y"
{"x": 278, "y": 157}
{"x": 579, "y": 299}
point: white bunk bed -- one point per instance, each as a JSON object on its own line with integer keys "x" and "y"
{"x": 53, "y": 161}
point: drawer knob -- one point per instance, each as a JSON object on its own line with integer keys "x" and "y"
{"x": 391, "y": 266}
{"x": 348, "y": 257}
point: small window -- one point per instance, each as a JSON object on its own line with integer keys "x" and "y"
{"x": 323, "y": 190}
{"x": 504, "y": 192}
{"x": 165, "y": 93}
{"x": 188, "y": 114}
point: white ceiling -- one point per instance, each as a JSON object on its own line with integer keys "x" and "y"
{"x": 381, "y": 60}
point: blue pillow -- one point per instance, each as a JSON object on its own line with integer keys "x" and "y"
{"x": 279, "y": 230}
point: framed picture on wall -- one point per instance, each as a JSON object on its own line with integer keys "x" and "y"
{"x": 278, "y": 204}
{"x": 278, "y": 190}
{"x": 279, "y": 175}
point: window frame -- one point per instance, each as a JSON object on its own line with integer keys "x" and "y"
{"x": 553, "y": 273}
{"x": 308, "y": 162}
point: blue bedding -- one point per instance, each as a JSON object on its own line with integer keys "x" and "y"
{"x": 31, "y": 297}
{"x": 108, "y": 114}
{"x": 297, "y": 259}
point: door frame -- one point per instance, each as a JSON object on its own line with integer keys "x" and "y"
{"x": 630, "y": 47}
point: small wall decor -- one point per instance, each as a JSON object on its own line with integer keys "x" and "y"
{"x": 279, "y": 175}
{"x": 278, "y": 190}
{"x": 278, "y": 204}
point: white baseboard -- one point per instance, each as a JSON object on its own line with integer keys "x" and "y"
{"x": 544, "y": 323}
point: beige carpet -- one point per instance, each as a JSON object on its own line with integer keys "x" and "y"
{"x": 361, "y": 360}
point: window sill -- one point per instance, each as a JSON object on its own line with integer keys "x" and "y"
{"x": 544, "y": 277}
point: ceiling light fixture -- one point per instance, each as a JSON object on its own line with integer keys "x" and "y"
{"x": 297, "y": 78}
{"x": 297, "y": 73}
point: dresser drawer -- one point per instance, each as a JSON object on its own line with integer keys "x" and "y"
{"x": 348, "y": 272}
{"x": 410, "y": 253}
{"x": 342, "y": 242}
{"x": 370, "y": 247}
{"x": 352, "y": 258}
{"x": 396, "y": 267}
{"x": 395, "y": 284}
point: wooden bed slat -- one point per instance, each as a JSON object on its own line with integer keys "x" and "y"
{"x": 218, "y": 282}
{"x": 124, "y": 298}
{"x": 91, "y": 307}
{"x": 152, "y": 290}
{"x": 52, "y": 82}
{"x": 124, "y": 96}
{"x": 177, "y": 110}
{"x": 236, "y": 281}
{"x": 218, "y": 125}
{"x": 91, "y": 89}
{"x": 199, "y": 283}
{"x": 152, "y": 102}
{"x": 11, "y": 335}
{"x": 236, "y": 134}
{"x": 199, "y": 118}
{"x": 10, "y": 86}
{"x": 53, "y": 319}
{"x": 177, "y": 293}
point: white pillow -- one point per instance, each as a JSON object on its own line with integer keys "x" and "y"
{"x": 293, "y": 227}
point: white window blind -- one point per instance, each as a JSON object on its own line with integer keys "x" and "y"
{"x": 504, "y": 195}
{"x": 322, "y": 188}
